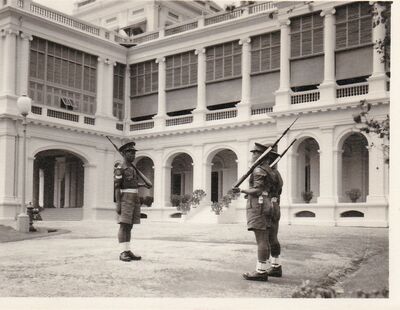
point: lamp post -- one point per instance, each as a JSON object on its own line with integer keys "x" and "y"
{"x": 24, "y": 104}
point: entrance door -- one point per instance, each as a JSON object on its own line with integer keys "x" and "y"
{"x": 214, "y": 186}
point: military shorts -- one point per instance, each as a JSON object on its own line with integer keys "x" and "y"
{"x": 130, "y": 209}
{"x": 261, "y": 216}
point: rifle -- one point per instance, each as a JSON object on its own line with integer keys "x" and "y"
{"x": 283, "y": 153}
{"x": 263, "y": 156}
{"x": 140, "y": 174}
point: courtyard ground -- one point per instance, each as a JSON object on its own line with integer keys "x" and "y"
{"x": 186, "y": 260}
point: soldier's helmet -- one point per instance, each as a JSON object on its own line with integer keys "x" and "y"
{"x": 261, "y": 148}
{"x": 130, "y": 146}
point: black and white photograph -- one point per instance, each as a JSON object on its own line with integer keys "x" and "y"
{"x": 163, "y": 154}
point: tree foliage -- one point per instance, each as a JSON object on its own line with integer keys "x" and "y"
{"x": 374, "y": 126}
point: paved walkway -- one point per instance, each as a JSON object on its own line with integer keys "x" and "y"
{"x": 188, "y": 260}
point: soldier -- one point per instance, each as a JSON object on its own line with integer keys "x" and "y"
{"x": 126, "y": 184}
{"x": 263, "y": 214}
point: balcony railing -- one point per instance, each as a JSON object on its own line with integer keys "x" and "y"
{"x": 258, "y": 111}
{"x": 144, "y": 125}
{"x": 305, "y": 96}
{"x": 181, "y": 28}
{"x": 179, "y": 121}
{"x": 219, "y": 115}
{"x": 352, "y": 90}
{"x": 62, "y": 115}
{"x": 64, "y": 19}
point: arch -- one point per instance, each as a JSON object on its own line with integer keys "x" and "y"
{"x": 215, "y": 150}
{"x": 304, "y": 213}
{"x": 169, "y": 157}
{"x": 301, "y": 136}
{"x": 352, "y": 213}
{"x": 84, "y": 157}
{"x": 306, "y": 168}
{"x": 353, "y": 166}
{"x": 58, "y": 180}
{"x": 140, "y": 155}
{"x": 345, "y": 133}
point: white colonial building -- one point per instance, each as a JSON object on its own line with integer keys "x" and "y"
{"x": 195, "y": 94}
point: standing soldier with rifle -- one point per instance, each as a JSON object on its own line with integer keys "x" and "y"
{"x": 263, "y": 210}
{"x": 126, "y": 184}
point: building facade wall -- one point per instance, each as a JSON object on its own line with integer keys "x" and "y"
{"x": 254, "y": 113}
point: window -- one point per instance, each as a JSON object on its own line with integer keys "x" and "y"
{"x": 224, "y": 61}
{"x": 57, "y": 71}
{"x": 136, "y": 12}
{"x": 181, "y": 70}
{"x": 144, "y": 78}
{"x": 353, "y": 25}
{"x": 110, "y": 20}
{"x": 306, "y": 35}
{"x": 265, "y": 52}
{"x": 119, "y": 91}
{"x": 173, "y": 15}
{"x": 85, "y": 3}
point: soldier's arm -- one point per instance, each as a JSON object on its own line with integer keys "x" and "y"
{"x": 258, "y": 183}
{"x": 117, "y": 188}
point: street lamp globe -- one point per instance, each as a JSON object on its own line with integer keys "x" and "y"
{"x": 24, "y": 104}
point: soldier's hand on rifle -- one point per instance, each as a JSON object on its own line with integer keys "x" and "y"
{"x": 236, "y": 190}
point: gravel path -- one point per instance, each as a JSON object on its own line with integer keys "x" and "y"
{"x": 185, "y": 260}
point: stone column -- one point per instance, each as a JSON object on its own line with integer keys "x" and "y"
{"x": 100, "y": 86}
{"x": 127, "y": 106}
{"x": 9, "y": 61}
{"x": 166, "y": 185}
{"x": 158, "y": 179}
{"x": 201, "y": 108}
{"x": 23, "y": 63}
{"x": 243, "y": 164}
{"x": 90, "y": 193}
{"x": 41, "y": 188}
{"x": 376, "y": 187}
{"x": 337, "y": 174}
{"x": 326, "y": 193}
{"x": 244, "y": 104}
{"x": 109, "y": 88}
{"x": 159, "y": 119}
{"x": 282, "y": 95}
{"x": 67, "y": 185}
{"x": 377, "y": 81}
{"x": 198, "y": 178}
{"x": 328, "y": 86}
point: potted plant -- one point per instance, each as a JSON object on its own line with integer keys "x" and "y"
{"x": 197, "y": 196}
{"x": 176, "y": 200}
{"x": 354, "y": 194}
{"x": 307, "y": 196}
{"x": 184, "y": 205}
{"x": 216, "y": 207}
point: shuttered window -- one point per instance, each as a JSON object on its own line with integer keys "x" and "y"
{"x": 306, "y": 35}
{"x": 118, "y": 91}
{"x": 144, "y": 78}
{"x": 265, "y": 52}
{"x": 181, "y": 70}
{"x": 59, "y": 74}
{"x": 353, "y": 25}
{"x": 223, "y": 61}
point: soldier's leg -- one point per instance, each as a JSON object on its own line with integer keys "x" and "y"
{"x": 276, "y": 269}
{"x": 263, "y": 251}
{"x": 124, "y": 234}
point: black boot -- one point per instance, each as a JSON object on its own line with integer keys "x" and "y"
{"x": 256, "y": 276}
{"x": 133, "y": 256}
{"x": 275, "y": 271}
{"x": 125, "y": 257}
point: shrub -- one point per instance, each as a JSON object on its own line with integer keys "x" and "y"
{"x": 354, "y": 194}
{"x": 307, "y": 196}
